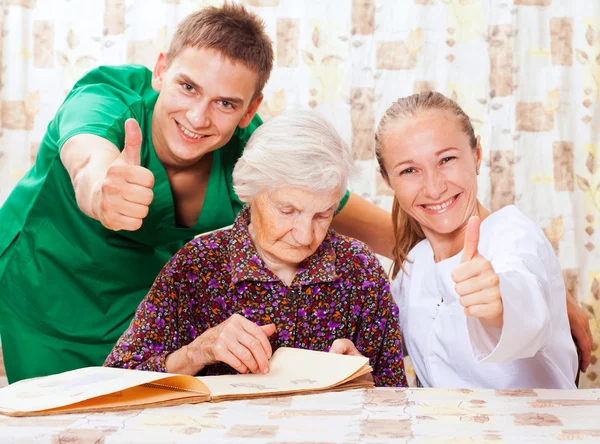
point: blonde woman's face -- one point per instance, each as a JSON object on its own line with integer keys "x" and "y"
{"x": 432, "y": 169}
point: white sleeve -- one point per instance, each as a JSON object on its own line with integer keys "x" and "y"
{"x": 527, "y": 319}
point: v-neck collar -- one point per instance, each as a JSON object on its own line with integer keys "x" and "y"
{"x": 159, "y": 226}
{"x": 163, "y": 205}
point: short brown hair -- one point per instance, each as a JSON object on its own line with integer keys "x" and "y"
{"x": 407, "y": 231}
{"x": 233, "y": 31}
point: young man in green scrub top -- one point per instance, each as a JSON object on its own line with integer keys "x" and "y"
{"x": 105, "y": 206}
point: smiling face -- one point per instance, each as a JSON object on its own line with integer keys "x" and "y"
{"x": 203, "y": 97}
{"x": 433, "y": 171}
{"x": 288, "y": 224}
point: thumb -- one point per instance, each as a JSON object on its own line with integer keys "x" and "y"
{"x": 471, "y": 239}
{"x": 340, "y": 347}
{"x": 268, "y": 329}
{"x": 133, "y": 143}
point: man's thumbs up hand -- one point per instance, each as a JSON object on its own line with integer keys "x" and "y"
{"x": 131, "y": 153}
{"x": 126, "y": 191}
{"x": 477, "y": 284}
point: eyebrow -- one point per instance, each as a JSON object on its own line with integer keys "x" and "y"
{"x": 437, "y": 153}
{"x": 186, "y": 79}
{"x": 289, "y": 204}
{"x": 450, "y": 148}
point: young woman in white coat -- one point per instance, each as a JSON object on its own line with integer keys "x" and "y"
{"x": 481, "y": 296}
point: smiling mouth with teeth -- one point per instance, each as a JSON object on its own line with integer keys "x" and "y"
{"x": 441, "y": 206}
{"x": 188, "y": 133}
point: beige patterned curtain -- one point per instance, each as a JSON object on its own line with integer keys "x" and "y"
{"x": 526, "y": 71}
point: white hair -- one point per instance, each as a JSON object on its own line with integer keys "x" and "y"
{"x": 297, "y": 148}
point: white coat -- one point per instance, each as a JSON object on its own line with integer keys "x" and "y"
{"x": 533, "y": 349}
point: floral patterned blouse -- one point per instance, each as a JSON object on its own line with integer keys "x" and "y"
{"x": 341, "y": 291}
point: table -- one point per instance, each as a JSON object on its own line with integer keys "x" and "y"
{"x": 370, "y": 416}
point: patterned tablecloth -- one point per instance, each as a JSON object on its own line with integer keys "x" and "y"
{"x": 376, "y": 415}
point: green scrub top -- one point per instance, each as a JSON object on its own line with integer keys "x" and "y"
{"x": 68, "y": 286}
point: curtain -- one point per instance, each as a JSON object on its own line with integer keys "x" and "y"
{"x": 526, "y": 71}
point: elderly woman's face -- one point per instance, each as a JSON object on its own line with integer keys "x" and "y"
{"x": 288, "y": 224}
{"x": 432, "y": 169}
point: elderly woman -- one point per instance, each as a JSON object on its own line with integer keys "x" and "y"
{"x": 481, "y": 296}
{"x": 279, "y": 278}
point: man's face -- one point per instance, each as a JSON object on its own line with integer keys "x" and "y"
{"x": 203, "y": 97}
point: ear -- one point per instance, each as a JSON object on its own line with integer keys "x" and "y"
{"x": 250, "y": 112}
{"x": 160, "y": 68}
{"x": 478, "y": 153}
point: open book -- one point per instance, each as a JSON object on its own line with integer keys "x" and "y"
{"x": 91, "y": 389}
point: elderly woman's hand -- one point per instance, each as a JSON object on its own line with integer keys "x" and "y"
{"x": 347, "y": 347}
{"x": 236, "y": 342}
{"x": 477, "y": 283}
{"x": 344, "y": 347}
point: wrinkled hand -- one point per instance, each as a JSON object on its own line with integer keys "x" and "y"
{"x": 347, "y": 347}
{"x": 477, "y": 283}
{"x": 237, "y": 342}
{"x": 580, "y": 329}
{"x": 344, "y": 347}
{"x": 123, "y": 197}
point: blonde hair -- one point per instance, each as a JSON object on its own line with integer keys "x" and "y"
{"x": 231, "y": 30}
{"x": 407, "y": 231}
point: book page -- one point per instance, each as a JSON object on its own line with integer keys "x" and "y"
{"x": 72, "y": 387}
{"x": 291, "y": 370}
{"x": 162, "y": 393}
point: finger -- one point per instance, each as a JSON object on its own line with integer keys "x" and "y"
{"x": 471, "y": 239}
{"x": 140, "y": 176}
{"x": 138, "y": 194}
{"x": 484, "y": 311}
{"x": 241, "y": 352}
{"x": 222, "y": 354}
{"x": 126, "y": 223}
{"x": 339, "y": 346}
{"x": 469, "y": 270}
{"x": 259, "y": 333}
{"x": 259, "y": 354}
{"x": 268, "y": 329}
{"x": 133, "y": 143}
{"x": 133, "y": 210}
{"x": 485, "y": 296}
{"x": 344, "y": 347}
{"x": 476, "y": 283}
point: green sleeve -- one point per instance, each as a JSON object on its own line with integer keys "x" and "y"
{"x": 90, "y": 110}
{"x": 100, "y": 103}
